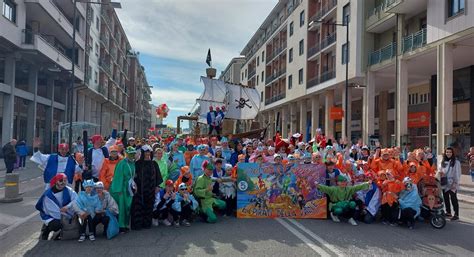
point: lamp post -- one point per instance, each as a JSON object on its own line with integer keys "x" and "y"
{"x": 73, "y": 58}
{"x": 345, "y": 23}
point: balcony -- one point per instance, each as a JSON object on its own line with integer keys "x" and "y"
{"x": 275, "y": 98}
{"x": 313, "y": 51}
{"x": 252, "y": 73}
{"x": 105, "y": 65}
{"x": 379, "y": 19}
{"x": 323, "y": 11}
{"x": 414, "y": 41}
{"x": 325, "y": 76}
{"x": 276, "y": 75}
{"x": 105, "y": 16}
{"x": 275, "y": 53}
{"x": 104, "y": 39}
{"x": 51, "y": 49}
{"x": 385, "y": 53}
{"x": 329, "y": 40}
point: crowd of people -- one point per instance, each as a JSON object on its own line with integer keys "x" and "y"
{"x": 172, "y": 181}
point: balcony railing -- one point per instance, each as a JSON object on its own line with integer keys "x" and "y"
{"x": 274, "y": 76}
{"x": 379, "y": 12}
{"x": 314, "y": 50}
{"x": 414, "y": 41}
{"x": 331, "y": 38}
{"x": 275, "y": 53}
{"x": 385, "y": 53}
{"x": 252, "y": 73}
{"x": 314, "y": 81}
{"x": 275, "y": 98}
{"x": 323, "y": 11}
{"x": 105, "y": 65}
{"x": 325, "y": 76}
{"x": 106, "y": 17}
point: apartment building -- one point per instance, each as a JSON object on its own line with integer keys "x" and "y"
{"x": 35, "y": 63}
{"x": 231, "y": 73}
{"x": 409, "y": 65}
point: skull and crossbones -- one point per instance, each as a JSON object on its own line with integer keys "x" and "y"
{"x": 242, "y": 103}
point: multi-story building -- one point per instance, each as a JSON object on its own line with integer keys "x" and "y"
{"x": 231, "y": 73}
{"x": 35, "y": 66}
{"x": 35, "y": 63}
{"x": 409, "y": 65}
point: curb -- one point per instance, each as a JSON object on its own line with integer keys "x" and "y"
{"x": 466, "y": 198}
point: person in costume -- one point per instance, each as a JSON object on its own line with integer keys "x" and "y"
{"x": 414, "y": 172}
{"x": 410, "y": 203}
{"x": 177, "y": 156}
{"x": 341, "y": 204}
{"x": 429, "y": 170}
{"x": 211, "y": 120}
{"x": 108, "y": 204}
{"x": 217, "y": 175}
{"x": 196, "y": 162}
{"x": 238, "y": 149}
{"x": 184, "y": 205}
{"x": 331, "y": 173}
{"x": 387, "y": 163}
{"x": 55, "y": 203}
{"x": 54, "y": 164}
{"x": 189, "y": 154}
{"x": 88, "y": 205}
{"x": 226, "y": 150}
{"x": 96, "y": 156}
{"x": 148, "y": 179}
{"x": 162, "y": 161}
{"x": 123, "y": 187}
{"x": 108, "y": 167}
{"x": 227, "y": 190}
{"x": 203, "y": 191}
{"x": 368, "y": 201}
{"x": 162, "y": 207}
{"x": 187, "y": 178}
{"x": 390, "y": 187}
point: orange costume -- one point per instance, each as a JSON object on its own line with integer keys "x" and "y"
{"x": 428, "y": 169}
{"x": 189, "y": 176}
{"x": 390, "y": 190}
{"x": 390, "y": 164}
{"x": 107, "y": 172}
{"x": 188, "y": 155}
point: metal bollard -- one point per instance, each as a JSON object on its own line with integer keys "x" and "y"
{"x": 12, "y": 189}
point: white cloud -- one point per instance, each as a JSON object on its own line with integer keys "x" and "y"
{"x": 177, "y": 100}
{"x": 185, "y": 29}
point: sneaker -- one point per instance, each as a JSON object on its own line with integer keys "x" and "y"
{"x": 393, "y": 224}
{"x": 448, "y": 215}
{"x": 82, "y": 238}
{"x": 352, "y": 222}
{"x": 92, "y": 237}
{"x": 155, "y": 223}
{"x": 411, "y": 227}
{"x": 385, "y": 222}
{"x": 176, "y": 224}
{"x": 454, "y": 218}
{"x": 334, "y": 217}
{"x": 166, "y": 222}
{"x": 186, "y": 223}
{"x": 56, "y": 235}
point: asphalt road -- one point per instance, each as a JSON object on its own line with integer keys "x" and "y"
{"x": 20, "y": 226}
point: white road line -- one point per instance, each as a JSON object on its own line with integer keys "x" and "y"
{"x": 303, "y": 238}
{"x": 23, "y": 247}
{"x": 17, "y": 223}
{"x": 317, "y": 238}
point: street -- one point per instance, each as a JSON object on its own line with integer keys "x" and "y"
{"x": 20, "y": 227}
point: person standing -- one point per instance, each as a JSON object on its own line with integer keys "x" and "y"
{"x": 22, "y": 152}
{"x": 9, "y": 155}
{"x": 96, "y": 156}
{"x": 108, "y": 167}
{"x": 123, "y": 187}
{"x": 450, "y": 174}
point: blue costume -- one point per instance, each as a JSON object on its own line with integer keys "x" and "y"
{"x": 52, "y": 168}
{"x": 195, "y": 165}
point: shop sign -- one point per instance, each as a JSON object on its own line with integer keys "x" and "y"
{"x": 418, "y": 119}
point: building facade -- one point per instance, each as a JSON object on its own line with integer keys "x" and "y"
{"x": 36, "y": 56}
{"x": 409, "y": 65}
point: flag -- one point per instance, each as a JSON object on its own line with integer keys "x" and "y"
{"x": 209, "y": 59}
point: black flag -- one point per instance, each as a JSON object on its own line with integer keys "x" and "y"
{"x": 208, "y": 59}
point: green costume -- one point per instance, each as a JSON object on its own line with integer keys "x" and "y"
{"x": 124, "y": 171}
{"x": 341, "y": 196}
{"x": 163, "y": 164}
{"x": 207, "y": 201}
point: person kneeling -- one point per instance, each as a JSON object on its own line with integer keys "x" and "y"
{"x": 108, "y": 204}
{"x": 203, "y": 191}
{"x": 341, "y": 204}
{"x": 410, "y": 203}
{"x": 164, "y": 200}
{"x": 184, "y": 205}
{"x": 55, "y": 204}
{"x": 88, "y": 206}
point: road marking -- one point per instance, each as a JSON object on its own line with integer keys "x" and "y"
{"x": 303, "y": 238}
{"x": 317, "y": 238}
{"x": 23, "y": 247}
{"x": 17, "y": 223}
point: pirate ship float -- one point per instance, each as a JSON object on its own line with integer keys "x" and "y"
{"x": 241, "y": 104}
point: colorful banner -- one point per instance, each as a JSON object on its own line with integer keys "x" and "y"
{"x": 336, "y": 113}
{"x": 418, "y": 119}
{"x": 277, "y": 191}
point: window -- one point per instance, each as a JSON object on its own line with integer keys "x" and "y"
{"x": 242, "y": 76}
{"x": 258, "y": 60}
{"x": 455, "y": 7}
{"x": 261, "y": 96}
{"x": 391, "y": 101}
{"x": 301, "y": 47}
{"x": 345, "y": 55}
{"x": 301, "y": 18}
{"x": 290, "y": 55}
{"x": 245, "y": 72}
{"x": 290, "y": 81}
{"x": 97, "y": 23}
{"x": 96, "y": 77}
{"x": 97, "y": 50}
{"x": 300, "y": 76}
{"x": 346, "y": 13}
{"x": 263, "y": 55}
{"x": 257, "y": 80}
{"x": 291, "y": 28}
{"x": 91, "y": 16}
{"x": 9, "y": 10}
{"x": 262, "y": 76}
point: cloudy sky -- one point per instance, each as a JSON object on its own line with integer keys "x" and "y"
{"x": 173, "y": 37}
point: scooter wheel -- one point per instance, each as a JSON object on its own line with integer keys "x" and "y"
{"x": 438, "y": 221}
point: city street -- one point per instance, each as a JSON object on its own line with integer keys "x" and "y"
{"x": 20, "y": 227}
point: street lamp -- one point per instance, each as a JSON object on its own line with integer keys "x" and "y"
{"x": 345, "y": 23}
{"x": 73, "y": 58}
